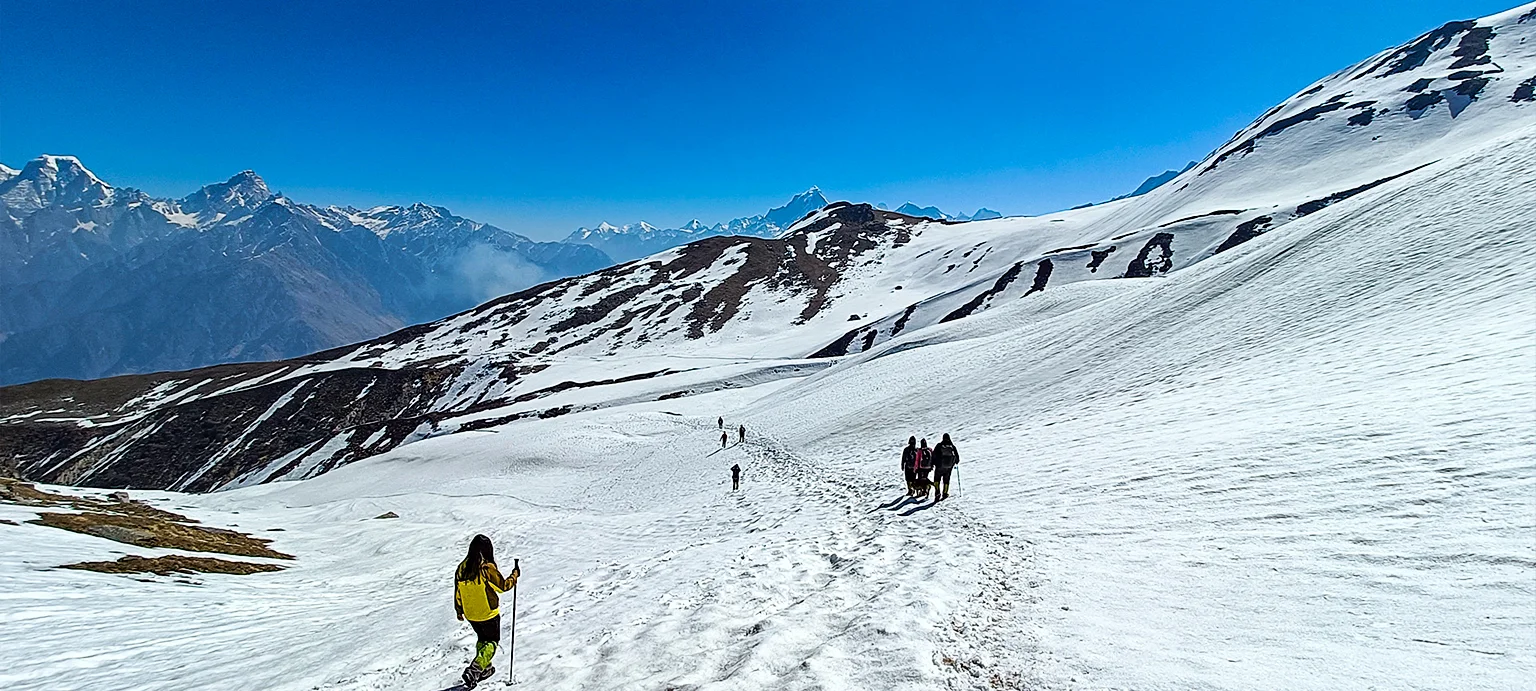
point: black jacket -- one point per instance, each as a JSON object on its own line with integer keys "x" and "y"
{"x": 908, "y": 455}
{"x": 945, "y": 455}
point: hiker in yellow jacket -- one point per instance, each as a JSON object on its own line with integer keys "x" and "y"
{"x": 475, "y": 588}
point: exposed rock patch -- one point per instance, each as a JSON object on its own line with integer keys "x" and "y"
{"x": 1525, "y": 92}
{"x": 1317, "y": 205}
{"x": 1098, "y": 257}
{"x": 1413, "y": 55}
{"x": 1278, "y": 126}
{"x": 1042, "y": 276}
{"x": 981, "y": 298}
{"x": 1155, "y": 257}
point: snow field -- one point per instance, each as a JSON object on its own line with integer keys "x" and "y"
{"x": 1305, "y": 465}
{"x": 641, "y": 571}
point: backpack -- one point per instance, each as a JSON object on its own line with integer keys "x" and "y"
{"x": 946, "y": 455}
{"x": 924, "y": 459}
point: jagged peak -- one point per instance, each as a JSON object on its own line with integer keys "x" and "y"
{"x": 243, "y": 189}
{"x": 56, "y": 166}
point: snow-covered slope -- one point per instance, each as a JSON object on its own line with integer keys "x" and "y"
{"x": 96, "y": 280}
{"x": 635, "y": 240}
{"x": 1234, "y": 453}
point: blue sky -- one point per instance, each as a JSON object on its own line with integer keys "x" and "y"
{"x": 541, "y": 117}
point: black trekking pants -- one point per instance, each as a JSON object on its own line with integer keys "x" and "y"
{"x": 488, "y": 630}
{"x": 941, "y": 479}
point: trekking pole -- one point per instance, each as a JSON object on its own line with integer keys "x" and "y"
{"x": 512, "y": 647}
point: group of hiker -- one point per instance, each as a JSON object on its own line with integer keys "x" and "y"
{"x": 477, "y": 582}
{"x": 725, "y": 436}
{"x": 741, "y": 437}
{"x": 917, "y": 461}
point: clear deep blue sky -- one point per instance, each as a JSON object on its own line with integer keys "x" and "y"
{"x": 540, "y": 117}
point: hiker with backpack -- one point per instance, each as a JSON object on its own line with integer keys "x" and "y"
{"x": 735, "y": 477}
{"x": 945, "y": 458}
{"x": 476, "y": 583}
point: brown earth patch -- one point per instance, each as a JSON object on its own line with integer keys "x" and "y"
{"x": 26, "y": 494}
{"x": 174, "y": 564}
{"x": 133, "y": 523}
{"x": 149, "y": 532}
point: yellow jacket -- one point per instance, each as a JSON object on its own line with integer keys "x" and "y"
{"x": 476, "y": 599}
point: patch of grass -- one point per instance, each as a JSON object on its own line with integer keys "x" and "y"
{"x": 176, "y": 563}
{"x": 133, "y": 523}
{"x": 25, "y": 494}
{"x": 151, "y": 532}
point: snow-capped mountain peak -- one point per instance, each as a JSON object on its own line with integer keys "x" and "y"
{"x": 797, "y": 208}
{"x": 50, "y": 180}
{"x": 419, "y": 217}
{"x": 243, "y": 190}
{"x": 67, "y": 168}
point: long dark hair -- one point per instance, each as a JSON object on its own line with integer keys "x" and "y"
{"x": 479, "y": 555}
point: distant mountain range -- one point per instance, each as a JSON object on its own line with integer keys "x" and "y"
{"x": 933, "y": 212}
{"x": 641, "y": 239}
{"x": 97, "y": 280}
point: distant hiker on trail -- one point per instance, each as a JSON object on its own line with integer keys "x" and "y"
{"x": 735, "y": 477}
{"x": 742, "y": 438}
{"x": 720, "y": 422}
{"x": 945, "y": 458}
{"x": 924, "y": 464}
{"x": 724, "y": 437}
{"x": 909, "y": 465}
{"x": 476, "y": 583}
